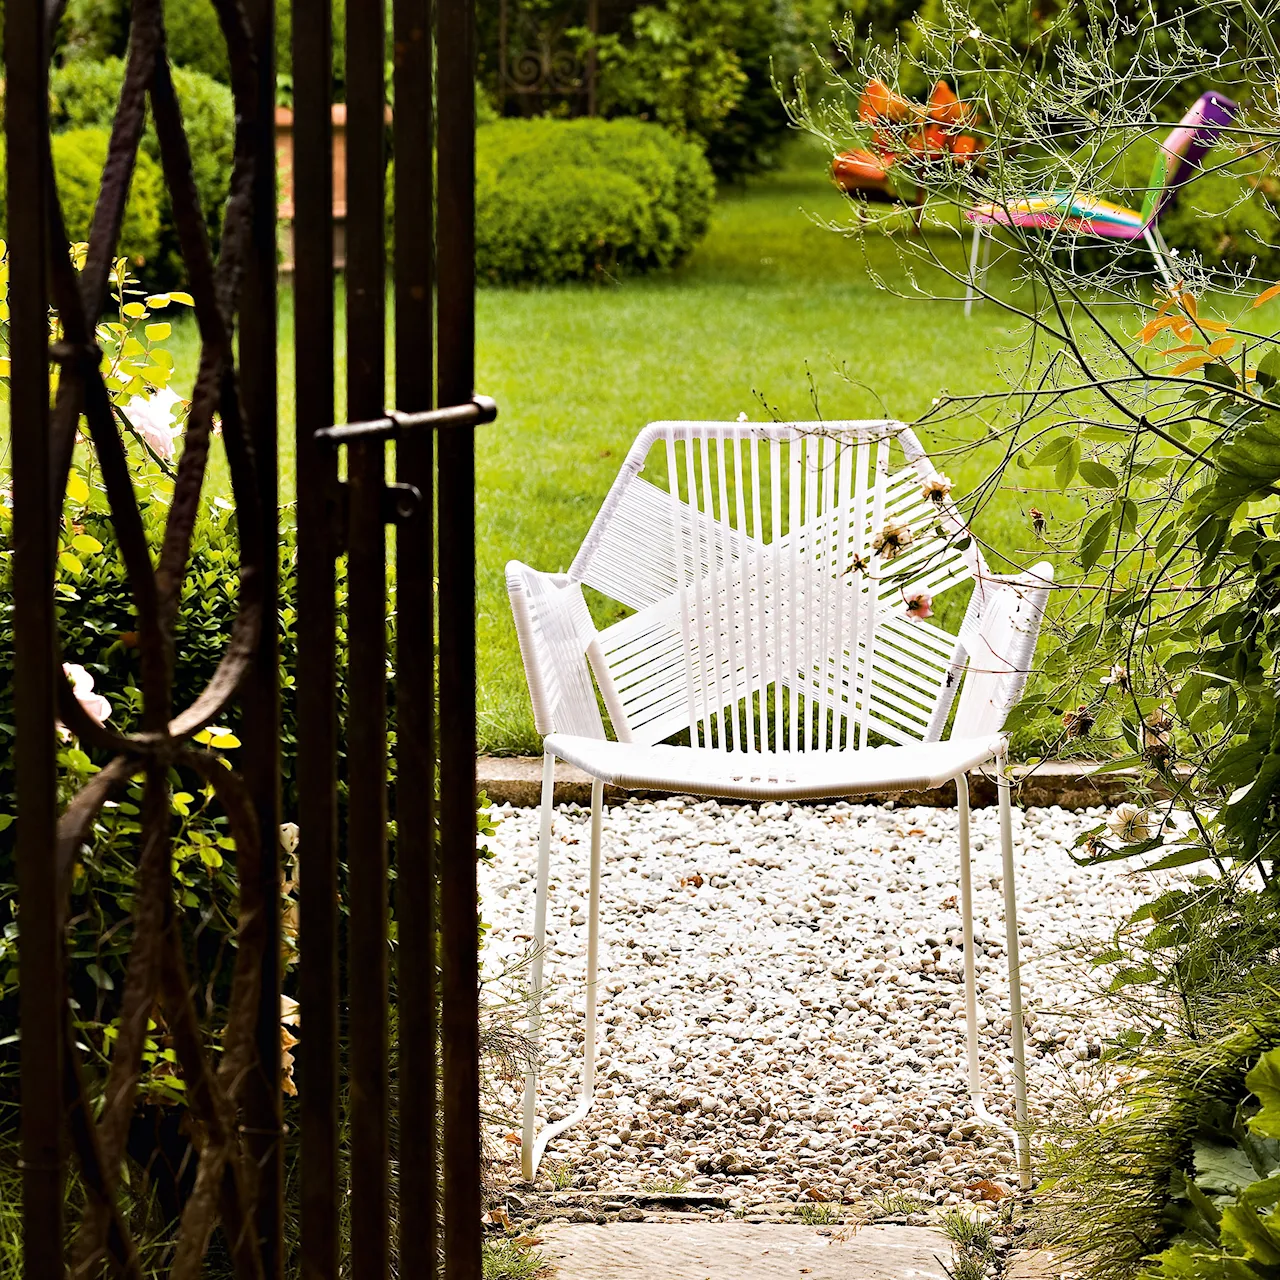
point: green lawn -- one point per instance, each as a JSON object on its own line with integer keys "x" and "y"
{"x": 768, "y": 301}
{"x": 771, "y": 305}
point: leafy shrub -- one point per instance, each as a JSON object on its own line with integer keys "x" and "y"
{"x": 78, "y": 159}
{"x": 84, "y": 94}
{"x": 1226, "y": 1201}
{"x": 194, "y": 38}
{"x": 576, "y": 199}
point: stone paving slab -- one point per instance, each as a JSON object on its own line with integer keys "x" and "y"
{"x": 744, "y": 1251}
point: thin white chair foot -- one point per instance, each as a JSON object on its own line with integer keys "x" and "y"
{"x": 534, "y": 1141}
{"x": 977, "y": 1099}
{"x": 971, "y": 287}
{"x": 1022, "y": 1143}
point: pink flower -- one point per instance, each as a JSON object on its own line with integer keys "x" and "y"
{"x": 96, "y": 707}
{"x": 152, "y": 419}
{"x": 920, "y": 605}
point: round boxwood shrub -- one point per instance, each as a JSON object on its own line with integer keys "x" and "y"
{"x": 84, "y": 94}
{"x": 78, "y": 159}
{"x": 585, "y": 199}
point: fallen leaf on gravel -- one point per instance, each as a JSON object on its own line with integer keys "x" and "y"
{"x": 526, "y": 1242}
{"x": 814, "y": 1194}
{"x": 513, "y": 1138}
{"x": 695, "y": 880}
{"x": 989, "y": 1190}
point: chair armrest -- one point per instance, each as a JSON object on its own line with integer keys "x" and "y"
{"x": 1000, "y": 637}
{"x": 555, "y": 630}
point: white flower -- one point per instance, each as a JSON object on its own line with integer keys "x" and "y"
{"x": 975, "y": 33}
{"x": 1119, "y": 676}
{"x": 288, "y": 837}
{"x": 937, "y": 486}
{"x": 152, "y": 418}
{"x": 96, "y": 707}
{"x": 742, "y": 417}
{"x": 1131, "y": 824}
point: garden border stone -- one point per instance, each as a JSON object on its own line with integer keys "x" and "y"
{"x": 517, "y": 781}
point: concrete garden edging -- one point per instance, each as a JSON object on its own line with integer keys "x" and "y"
{"x": 517, "y": 781}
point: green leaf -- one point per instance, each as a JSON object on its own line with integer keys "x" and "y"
{"x": 1099, "y": 476}
{"x": 1222, "y": 1169}
{"x": 102, "y": 980}
{"x": 1094, "y": 541}
{"x": 1053, "y": 452}
{"x": 1269, "y": 369}
{"x": 1264, "y": 1082}
{"x": 86, "y": 543}
{"x": 1065, "y": 471}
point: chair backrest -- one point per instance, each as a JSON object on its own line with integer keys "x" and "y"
{"x": 1179, "y": 155}
{"x": 772, "y": 572}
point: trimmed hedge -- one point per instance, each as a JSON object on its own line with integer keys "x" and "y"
{"x": 84, "y": 94}
{"x": 585, "y": 199}
{"x": 78, "y": 159}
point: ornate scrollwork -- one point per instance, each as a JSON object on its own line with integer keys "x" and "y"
{"x": 537, "y": 61}
{"x": 156, "y": 974}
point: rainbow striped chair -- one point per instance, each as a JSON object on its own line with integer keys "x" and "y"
{"x": 1177, "y": 160}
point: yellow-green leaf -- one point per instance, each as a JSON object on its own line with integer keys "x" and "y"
{"x": 158, "y": 332}
{"x": 86, "y": 543}
{"x": 157, "y": 301}
{"x": 134, "y": 310}
{"x": 224, "y": 738}
{"x": 185, "y": 298}
{"x": 77, "y": 490}
{"x": 71, "y": 564}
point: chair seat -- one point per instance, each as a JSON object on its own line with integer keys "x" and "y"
{"x": 1087, "y": 214}
{"x": 810, "y": 775}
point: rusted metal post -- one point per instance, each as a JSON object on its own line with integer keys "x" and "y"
{"x": 417, "y": 1021}
{"x": 261, "y": 690}
{"x": 317, "y": 479}
{"x": 455, "y": 38}
{"x": 367, "y": 632}
{"x": 41, "y": 1010}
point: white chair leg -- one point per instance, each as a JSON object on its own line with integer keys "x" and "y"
{"x": 1160, "y": 252}
{"x": 533, "y": 1146}
{"x": 971, "y": 289}
{"x": 528, "y": 1160}
{"x": 1021, "y": 1141}
{"x": 970, "y": 966}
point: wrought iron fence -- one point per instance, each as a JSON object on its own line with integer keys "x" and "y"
{"x": 235, "y": 1095}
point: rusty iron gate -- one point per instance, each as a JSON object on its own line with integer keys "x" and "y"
{"x": 236, "y": 1100}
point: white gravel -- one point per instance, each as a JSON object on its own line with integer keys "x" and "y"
{"x": 781, "y": 995}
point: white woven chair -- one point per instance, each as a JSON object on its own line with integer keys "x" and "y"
{"x": 769, "y": 584}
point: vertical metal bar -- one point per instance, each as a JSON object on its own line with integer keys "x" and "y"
{"x": 317, "y": 476}
{"x": 415, "y": 651}
{"x": 261, "y": 694}
{"x": 367, "y": 630}
{"x": 41, "y": 1009}
{"x": 455, "y": 39}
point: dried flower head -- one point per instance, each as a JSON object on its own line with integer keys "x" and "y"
{"x": 860, "y": 563}
{"x": 1119, "y": 676}
{"x": 937, "y": 486}
{"x": 920, "y": 605}
{"x": 1157, "y": 738}
{"x": 1038, "y": 521}
{"x": 1131, "y": 823}
{"x": 1078, "y": 722}
{"x": 893, "y": 538}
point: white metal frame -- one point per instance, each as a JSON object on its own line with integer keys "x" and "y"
{"x": 770, "y": 627}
